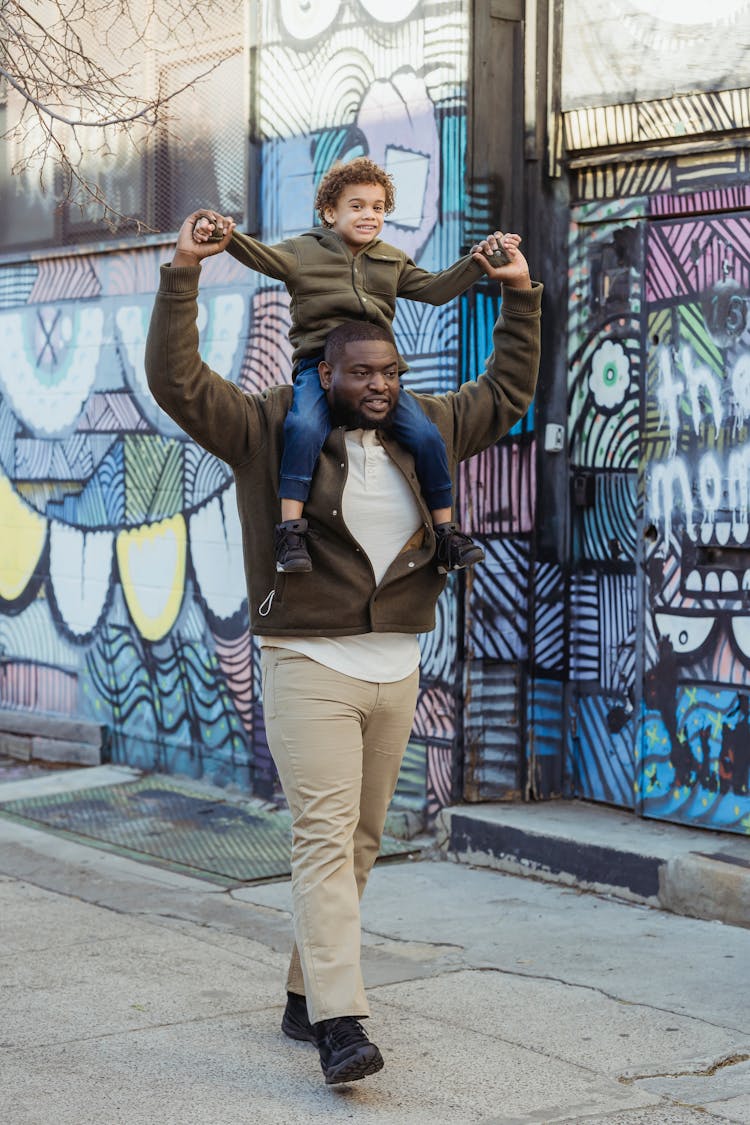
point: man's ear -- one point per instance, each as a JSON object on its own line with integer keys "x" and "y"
{"x": 325, "y": 372}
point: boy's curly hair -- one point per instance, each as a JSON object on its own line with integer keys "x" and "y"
{"x": 361, "y": 170}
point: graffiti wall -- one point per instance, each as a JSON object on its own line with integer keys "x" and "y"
{"x": 660, "y": 561}
{"x": 696, "y": 475}
{"x": 121, "y": 584}
{"x": 604, "y": 355}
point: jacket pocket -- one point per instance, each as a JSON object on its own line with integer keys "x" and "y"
{"x": 381, "y": 276}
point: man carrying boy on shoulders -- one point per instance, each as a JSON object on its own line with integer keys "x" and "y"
{"x": 340, "y": 656}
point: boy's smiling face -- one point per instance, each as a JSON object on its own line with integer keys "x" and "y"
{"x": 358, "y": 214}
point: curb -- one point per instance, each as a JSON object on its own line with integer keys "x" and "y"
{"x": 606, "y": 851}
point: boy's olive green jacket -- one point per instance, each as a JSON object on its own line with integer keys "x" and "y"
{"x": 339, "y": 597}
{"x": 328, "y": 284}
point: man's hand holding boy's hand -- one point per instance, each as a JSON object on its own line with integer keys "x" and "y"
{"x": 198, "y": 237}
{"x": 515, "y": 272}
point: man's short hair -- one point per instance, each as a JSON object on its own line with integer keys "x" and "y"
{"x": 342, "y": 175}
{"x": 349, "y": 332}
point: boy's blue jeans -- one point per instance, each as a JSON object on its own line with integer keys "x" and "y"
{"x": 308, "y": 424}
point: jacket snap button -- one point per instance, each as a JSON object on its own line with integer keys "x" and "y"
{"x": 334, "y": 512}
{"x": 411, "y": 564}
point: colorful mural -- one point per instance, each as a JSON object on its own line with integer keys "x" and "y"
{"x": 618, "y": 671}
{"x": 121, "y": 584}
{"x": 696, "y": 476}
{"x": 660, "y": 564}
{"x": 603, "y": 439}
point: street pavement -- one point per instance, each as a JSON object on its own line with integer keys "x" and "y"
{"x": 131, "y": 994}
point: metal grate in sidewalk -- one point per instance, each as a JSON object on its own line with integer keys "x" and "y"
{"x": 165, "y": 822}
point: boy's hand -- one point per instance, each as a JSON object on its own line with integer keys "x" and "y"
{"x": 516, "y": 270}
{"x": 197, "y": 238}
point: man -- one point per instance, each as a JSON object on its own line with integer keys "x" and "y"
{"x": 340, "y": 657}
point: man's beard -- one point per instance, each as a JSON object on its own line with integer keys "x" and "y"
{"x": 352, "y": 419}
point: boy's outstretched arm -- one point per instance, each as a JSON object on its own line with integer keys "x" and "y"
{"x": 439, "y": 288}
{"x": 279, "y": 261}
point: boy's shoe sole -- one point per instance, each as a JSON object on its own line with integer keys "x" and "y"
{"x": 297, "y": 566}
{"x": 471, "y": 558}
{"x": 368, "y": 1060}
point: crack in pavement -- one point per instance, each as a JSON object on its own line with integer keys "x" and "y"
{"x": 591, "y": 988}
{"x": 705, "y": 1072}
{"x": 413, "y": 941}
{"x": 11, "y": 1049}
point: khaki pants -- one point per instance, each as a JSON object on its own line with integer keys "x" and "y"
{"x": 338, "y": 744}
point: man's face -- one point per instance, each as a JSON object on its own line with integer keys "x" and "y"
{"x": 362, "y": 386}
{"x": 358, "y": 214}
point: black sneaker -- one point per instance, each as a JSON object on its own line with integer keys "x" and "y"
{"x": 454, "y": 550}
{"x": 295, "y": 1022}
{"x": 292, "y": 556}
{"x": 346, "y": 1053}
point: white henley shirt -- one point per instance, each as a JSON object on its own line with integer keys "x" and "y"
{"x": 381, "y": 513}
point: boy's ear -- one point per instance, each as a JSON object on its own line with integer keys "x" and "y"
{"x": 324, "y": 374}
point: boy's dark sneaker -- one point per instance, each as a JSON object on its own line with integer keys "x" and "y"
{"x": 295, "y": 1022}
{"x": 292, "y": 555}
{"x": 346, "y": 1053}
{"x": 454, "y": 550}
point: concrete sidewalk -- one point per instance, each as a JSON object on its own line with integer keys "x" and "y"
{"x": 139, "y": 996}
{"x": 689, "y": 871}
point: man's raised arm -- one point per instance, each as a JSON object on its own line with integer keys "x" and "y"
{"x": 212, "y": 410}
{"x": 486, "y": 408}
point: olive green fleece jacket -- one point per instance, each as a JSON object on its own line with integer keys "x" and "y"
{"x": 339, "y": 597}
{"x": 328, "y": 283}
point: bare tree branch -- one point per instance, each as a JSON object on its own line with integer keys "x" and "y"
{"x": 78, "y": 78}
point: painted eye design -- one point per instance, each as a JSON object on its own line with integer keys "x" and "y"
{"x": 389, "y": 11}
{"x": 306, "y": 19}
{"x": 741, "y": 634}
{"x": 686, "y": 634}
{"x": 49, "y": 363}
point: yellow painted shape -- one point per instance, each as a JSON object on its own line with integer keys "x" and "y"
{"x": 22, "y": 535}
{"x": 151, "y": 560}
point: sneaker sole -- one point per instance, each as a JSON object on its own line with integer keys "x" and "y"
{"x": 460, "y": 566}
{"x": 294, "y": 568}
{"x": 360, "y": 1066}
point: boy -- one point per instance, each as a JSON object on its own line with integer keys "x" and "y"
{"x": 342, "y": 271}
